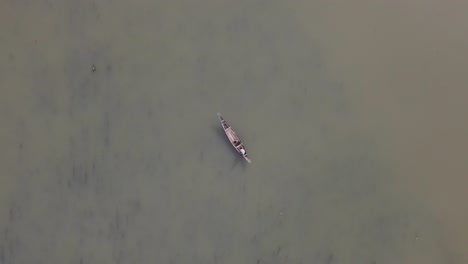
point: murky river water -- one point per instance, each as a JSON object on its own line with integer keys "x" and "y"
{"x": 353, "y": 113}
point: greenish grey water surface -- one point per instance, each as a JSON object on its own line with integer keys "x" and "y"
{"x": 112, "y": 151}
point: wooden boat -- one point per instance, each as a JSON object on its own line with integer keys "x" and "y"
{"x": 233, "y": 138}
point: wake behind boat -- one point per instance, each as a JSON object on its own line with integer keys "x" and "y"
{"x": 233, "y": 138}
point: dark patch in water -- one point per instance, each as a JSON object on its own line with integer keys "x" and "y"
{"x": 79, "y": 176}
{"x": 277, "y": 251}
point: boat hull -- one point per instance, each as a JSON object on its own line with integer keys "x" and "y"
{"x": 233, "y": 138}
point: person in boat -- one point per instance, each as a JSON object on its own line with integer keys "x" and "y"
{"x": 242, "y": 151}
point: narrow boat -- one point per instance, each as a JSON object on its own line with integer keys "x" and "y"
{"x": 233, "y": 138}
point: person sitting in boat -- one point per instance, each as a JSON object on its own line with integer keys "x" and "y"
{"x": 242, "y": 151}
